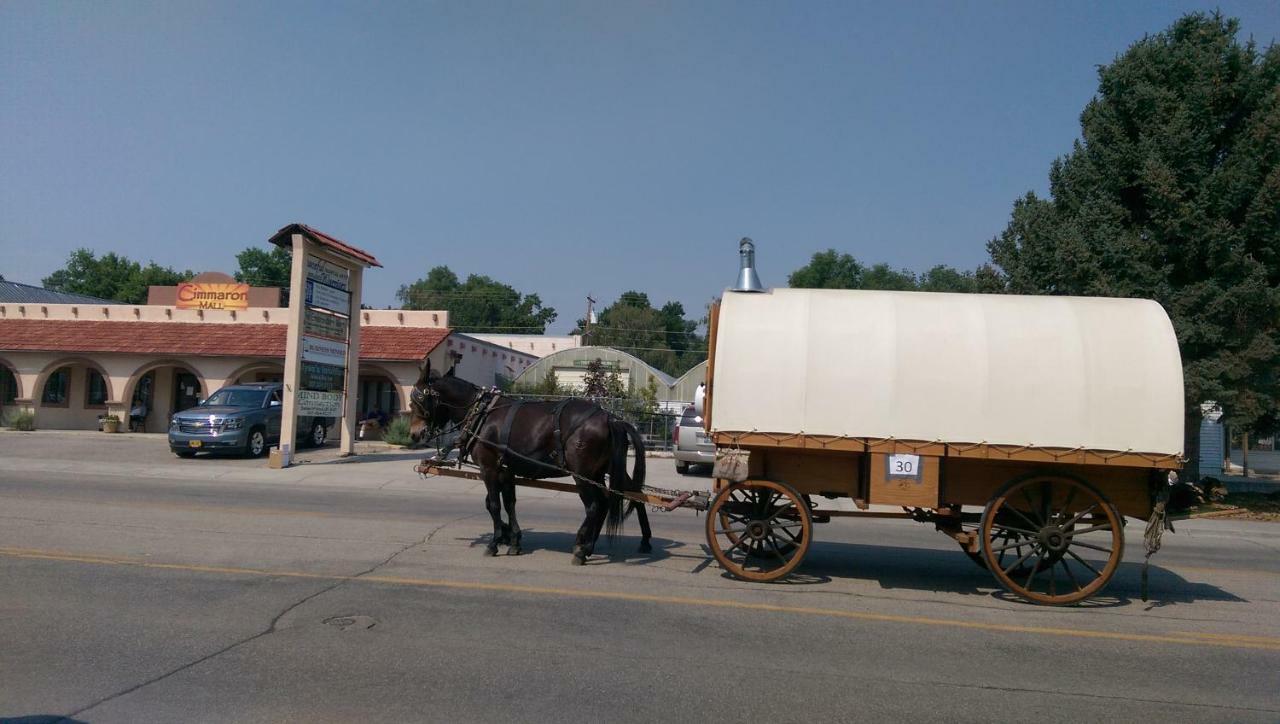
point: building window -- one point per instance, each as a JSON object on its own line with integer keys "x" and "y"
{"x": 56, "y": 388}
{"x": 95, "y": 389}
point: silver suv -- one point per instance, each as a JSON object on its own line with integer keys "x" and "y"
{"x": 692, "y": 444}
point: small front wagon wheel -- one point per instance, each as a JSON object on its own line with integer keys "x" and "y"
{"x": 1051, "y": 538}
{"x": 759, "y": 530}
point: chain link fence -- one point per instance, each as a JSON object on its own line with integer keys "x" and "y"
{"x": 656, "y": 426}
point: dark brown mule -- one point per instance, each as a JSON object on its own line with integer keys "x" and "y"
{"x": 535, "y": 440}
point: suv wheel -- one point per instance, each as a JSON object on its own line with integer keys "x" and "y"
{"x": 318, "y": 434}
{"x": 257, "y": 444}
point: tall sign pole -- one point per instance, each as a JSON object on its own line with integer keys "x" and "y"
{"x": 322, "y": 352}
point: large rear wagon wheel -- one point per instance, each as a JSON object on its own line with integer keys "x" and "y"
{"x": 1051, "y": 538}
{"x": 759, "y": 530}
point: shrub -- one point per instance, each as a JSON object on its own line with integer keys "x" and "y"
{"x": 397, "y": 432}
{"x": 24, "y": 421}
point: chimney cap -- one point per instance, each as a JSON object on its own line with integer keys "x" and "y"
{"x": 748, "y": 280}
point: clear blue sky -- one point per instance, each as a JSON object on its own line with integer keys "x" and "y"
{"x": 559, "y": 147}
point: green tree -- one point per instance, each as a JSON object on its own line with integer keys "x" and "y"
{"x": 833, "y": 270}
{"x": 261, "y": 268}
{"x": 1173, "y": 193}
{"x": 111, "y": 276}
{"x": 479, "y": 304}
{"x": 882, "y": 277}
{"x": 828, "y": 270}
{"x": 663, "y": 338}
{"x": 595, "y": 383}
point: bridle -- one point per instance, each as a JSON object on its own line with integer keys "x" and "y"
{"x": 425, "y": 403}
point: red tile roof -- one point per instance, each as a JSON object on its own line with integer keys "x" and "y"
{"x": 281, "y": 238}
{"x": 176, "y": 339}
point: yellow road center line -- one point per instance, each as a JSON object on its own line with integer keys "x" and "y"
{"x": 1184, "y": 638}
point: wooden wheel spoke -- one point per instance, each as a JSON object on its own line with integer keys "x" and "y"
{"x": 1066, "y": 505}
{"x": 781, "y": 509}
{"x": 1004, "y": 527}
{"x": 1018, "y": 562}
{"x": 777, "y": 552}
{"x": 1090, "y": 529}
{"x": 1079, "y": 515}
{"x": 1091, "y": 546}
{"x": 1016, "y": 544}
{"x": 1034, "y": 569}
{"x": 1022, "y": 515}
{"x": 1031, "y": 504}
{"x": 1084, "y": 563}
{"x": 1070, "y": 576}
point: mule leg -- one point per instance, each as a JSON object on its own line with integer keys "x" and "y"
{"x": 645, "y": 533}
{"x": 492, "y": 504}
{"x": 584, "y": 542}
{"x": 509, "y": 503}
{"x": 602, "y": 503}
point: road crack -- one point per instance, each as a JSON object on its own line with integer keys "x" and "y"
{"x": 271, "y": 628}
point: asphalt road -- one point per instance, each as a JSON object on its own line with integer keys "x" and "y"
{"x": 135, "y": 588}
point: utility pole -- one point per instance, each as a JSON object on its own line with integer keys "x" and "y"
{"x": 586, "y": 327}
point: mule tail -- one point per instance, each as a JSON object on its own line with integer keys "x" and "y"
{"x": 620, "y": 433}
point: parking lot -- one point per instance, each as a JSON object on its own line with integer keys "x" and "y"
{"x": 141, "y": 587}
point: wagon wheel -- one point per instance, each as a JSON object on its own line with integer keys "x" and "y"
{"x": 1004, "y": 535}
{"x": 759, "y": 530}
{"x": 785, "y": 545}
{"x": 1051, "y": 539}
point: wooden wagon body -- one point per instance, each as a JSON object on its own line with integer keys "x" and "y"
{"x": 1057, "y": 416}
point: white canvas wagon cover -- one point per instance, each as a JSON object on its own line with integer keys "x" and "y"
{"x": 1055, "y": 372}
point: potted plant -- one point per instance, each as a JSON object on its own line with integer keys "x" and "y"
{"x": 111, "y": 423}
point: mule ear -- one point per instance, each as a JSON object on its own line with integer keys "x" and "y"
{"x": 424, "y": 372}
{"x": 451, "y": 369}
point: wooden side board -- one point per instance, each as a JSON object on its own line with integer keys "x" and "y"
{"x": 944, "y": 480}
{"x": 974, "y": 451}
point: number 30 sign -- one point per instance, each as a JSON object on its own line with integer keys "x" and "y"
{"x": 904, "y": 466}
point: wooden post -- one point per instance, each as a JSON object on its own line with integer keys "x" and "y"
{"x": 282, "y": 455}
{"x": 348, "y": 444}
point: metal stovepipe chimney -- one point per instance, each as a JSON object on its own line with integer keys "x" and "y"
{"x": 748, "y": 281}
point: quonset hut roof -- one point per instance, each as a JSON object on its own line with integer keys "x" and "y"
{"x": 18, "y": 293}
{"x": 577, "y": 358}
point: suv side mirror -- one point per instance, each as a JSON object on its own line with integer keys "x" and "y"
{"x": 275, "y": 403}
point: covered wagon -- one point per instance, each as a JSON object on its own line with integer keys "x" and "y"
{"x": 1056, "y": 417}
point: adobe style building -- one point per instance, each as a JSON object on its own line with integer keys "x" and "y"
{"x": 70, "y": 363}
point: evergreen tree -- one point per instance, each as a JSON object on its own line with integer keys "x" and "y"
{"x": 1173, "y": 193}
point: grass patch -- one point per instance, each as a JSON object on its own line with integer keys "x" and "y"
{"x": 397, "y": 432}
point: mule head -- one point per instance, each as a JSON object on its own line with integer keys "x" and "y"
{"x": 435, "y": 401}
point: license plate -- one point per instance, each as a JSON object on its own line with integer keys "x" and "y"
{"x": 195, "y": 443}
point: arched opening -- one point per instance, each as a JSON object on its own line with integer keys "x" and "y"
{"x": 9, "y": 391}
{"x": 377, "y": 397}
{"x": 71, "y": 394}
{"x": 159, "y": 389}
{"x": 257, "y": 372}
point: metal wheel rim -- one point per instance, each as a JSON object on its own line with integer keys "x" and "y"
{"x": 256, "y": 443}
{"x": 317, "y": 435}
{"x": 763, "y": 515}
{"x": 1064, "y": 524}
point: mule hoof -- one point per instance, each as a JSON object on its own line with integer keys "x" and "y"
{"x": 577, "y": 561}
{"x": 515, "y": 550}
{"x": 645, "y": 547}
{"x": 491, "y": 551}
